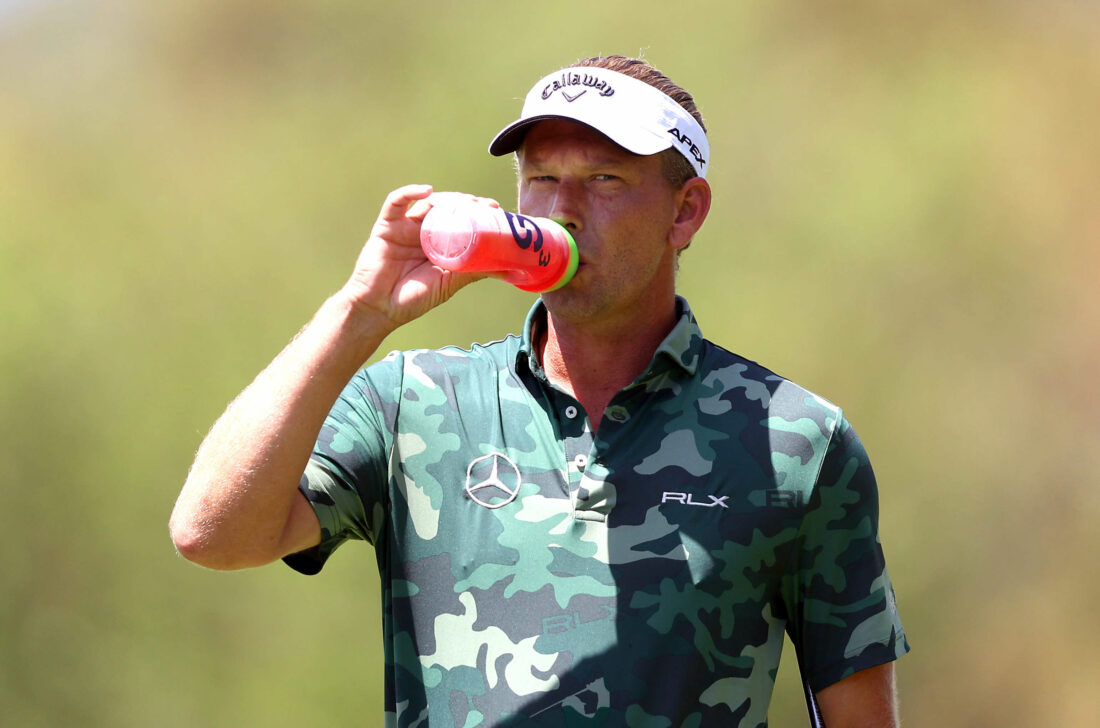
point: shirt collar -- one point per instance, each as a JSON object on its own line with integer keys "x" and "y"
{"x": 680, "y": 349}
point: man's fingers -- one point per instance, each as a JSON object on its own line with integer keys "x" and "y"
{"x": 419, "y": 209}
{"x": 397, "y": 202}
{"x": 422, "y": 206}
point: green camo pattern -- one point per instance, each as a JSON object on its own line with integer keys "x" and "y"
{"x": 536, "y": 573}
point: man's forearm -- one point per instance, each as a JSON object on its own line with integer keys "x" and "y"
{"x": 236, "y": 506}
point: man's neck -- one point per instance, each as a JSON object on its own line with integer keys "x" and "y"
{"x": 593, "y": 364}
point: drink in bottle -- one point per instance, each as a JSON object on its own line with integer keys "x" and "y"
{"x": 466, "y": 236}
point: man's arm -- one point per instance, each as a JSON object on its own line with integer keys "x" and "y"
{"x": 865, "y": 699}
{"x": 240, "y": 506}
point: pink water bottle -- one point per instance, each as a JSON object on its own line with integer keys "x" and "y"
{"x": 465, "y": 236}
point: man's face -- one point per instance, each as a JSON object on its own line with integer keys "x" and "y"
{"x": 619, "y": 208}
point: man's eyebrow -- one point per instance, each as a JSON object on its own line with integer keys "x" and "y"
{"x": 603, "y": 162}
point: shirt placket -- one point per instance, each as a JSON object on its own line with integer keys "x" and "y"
{"x": 576, "y": 434}
{"x": 590, "y": 495}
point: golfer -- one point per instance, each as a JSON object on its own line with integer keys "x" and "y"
{"x": 603, "y": 519}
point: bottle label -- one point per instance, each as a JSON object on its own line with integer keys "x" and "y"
{"x": 527, "y": 235}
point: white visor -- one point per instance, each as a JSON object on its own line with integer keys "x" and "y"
{"x": 631, "y": 113}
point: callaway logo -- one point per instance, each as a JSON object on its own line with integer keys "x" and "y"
{"x": 576, "y": 79}
{"x": 688, "y": 499}
{"x": 688, "y": 145}
{"x": 492, "y": 480}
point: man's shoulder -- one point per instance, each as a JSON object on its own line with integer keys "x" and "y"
{"x": 431, "y": 367}
{"x": 732, "y": 375}
{"x": 431, "y": 377}
{"x": 498, "y": 351}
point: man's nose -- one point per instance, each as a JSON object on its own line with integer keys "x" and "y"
{"x": 568, "y": 206}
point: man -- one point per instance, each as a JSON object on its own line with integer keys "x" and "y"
{"x": 608, "y": 519}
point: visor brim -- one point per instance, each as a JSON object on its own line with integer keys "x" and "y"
{"x": 510, "y": 139}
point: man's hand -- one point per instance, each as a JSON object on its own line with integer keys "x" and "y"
{"x": 394, "y": 282}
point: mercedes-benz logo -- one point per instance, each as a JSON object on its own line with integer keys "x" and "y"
{"x": 492, "y": 480}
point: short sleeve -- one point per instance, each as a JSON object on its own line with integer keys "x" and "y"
{"x": 346, "y": 478}
{"x": 838, "y": 594}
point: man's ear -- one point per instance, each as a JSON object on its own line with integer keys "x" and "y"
{"x": 692, "y": 206}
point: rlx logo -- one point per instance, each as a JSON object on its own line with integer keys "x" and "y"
{"x": 688, "y": 499}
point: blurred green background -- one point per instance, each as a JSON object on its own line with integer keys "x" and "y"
{"x": 905, "y": 221}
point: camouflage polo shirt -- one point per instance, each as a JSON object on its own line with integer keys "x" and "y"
{"x": 536, "y": 573}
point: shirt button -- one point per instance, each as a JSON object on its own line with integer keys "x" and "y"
{"x": 570, "y": 411}
{"x": 580, "y": 461}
